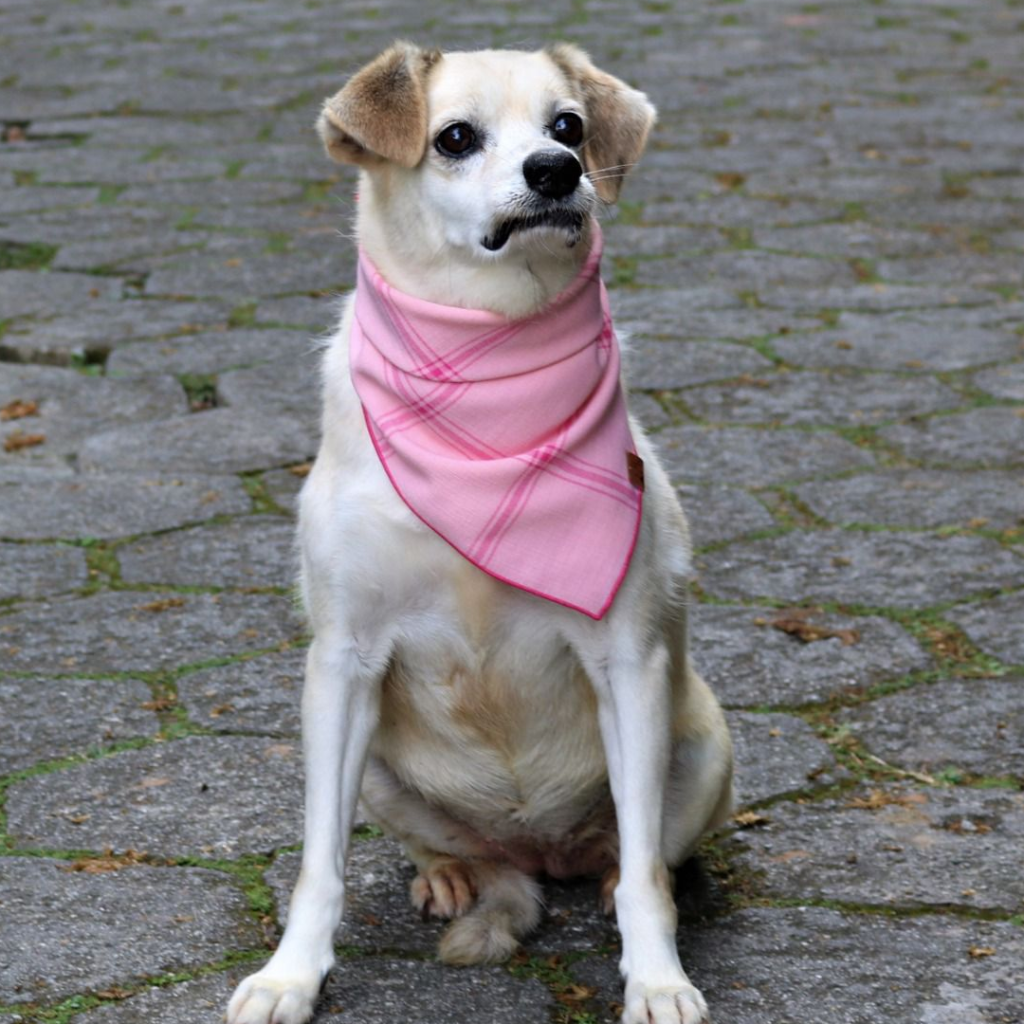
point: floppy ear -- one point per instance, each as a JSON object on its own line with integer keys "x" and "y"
{"x": 381, "y": 113}
{"x": 618, "y": 119}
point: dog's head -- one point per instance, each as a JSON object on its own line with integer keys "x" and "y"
{"x": 495, "y": 154}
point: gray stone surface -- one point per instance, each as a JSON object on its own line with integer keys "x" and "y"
{"x": 26, "y": 293}
{"x": 1003, "y": 381}
{"x": 206, "y": 353}
{"x": 138, "y": 631}
{"x": 72, "y": 406}
{"x": 755, "y": 458}
{"x": 749, "y": 663}
{"x": 93, "y": 329}
{"x": 203, "y": 796}
{"x": 819, "y": 399}
{"x": 662, "y": 365}
{"x": 775, "y": 755}
{"x": 817, "y": 966}
{"x": 990, "y": 438}
{"x": 253, "y": 551}
{"x": 718, "y": 514}
{"x": 289, "y": 386}
{"x": 973, "y": 725}
{"x": 920, "y": 498}
{"x": 894, "y": 847}
{"x": 372, "y": 993}
{"x": 283, "y": 485}
{"x": 994, "y": 626}
{"x": 217, "y": 441}
{"x": 33, "y": 570}
{"x": 902, "y": 341}
{"x": 37, "y": 503}
{"x": 92, "y": 713}
{"x": 67, "y": 930}
{"x": 258, "y": 695}
{"x": 904, "y": 570}
{"x": 188, "y": 1002}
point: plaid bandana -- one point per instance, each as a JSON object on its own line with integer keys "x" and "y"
{"x": 508, "y": 438}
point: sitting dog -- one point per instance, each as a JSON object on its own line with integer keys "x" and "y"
{"x": 493, "y": 561}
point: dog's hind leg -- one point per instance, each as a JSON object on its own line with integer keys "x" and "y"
{"x": 699, "y": 793}
{"x": 492, "y": 903}
{"x": 508, "y": 906}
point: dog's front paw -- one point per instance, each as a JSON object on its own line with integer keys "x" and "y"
{"x": 267, "y": 998}
{"x": 677, "y": 1004}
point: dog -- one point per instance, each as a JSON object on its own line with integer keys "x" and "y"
{"x": 499, "y": 664}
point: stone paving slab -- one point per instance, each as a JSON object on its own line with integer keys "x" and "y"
{"x": 214, "y": 441}
{"x": 70, "y": 930}
{"x": 777, "y": 754}
{"x": 1003, "y": 381}
{"x": 914, "y": 342}
{"x": 819, "y": 399}
{"x": 27, "y": 293}
{"x": 36, "y": 503}
{"x": 92, "y": 714}
{"x": 259, "y": 695}
{"x": 816, "y": 966}
{"x": 662, "y": 365}
{"x": 95, "y": 328}
{"x": 72, "y": 406}
{"x": 751, "y": 664}
{"x": 899, "y": 570}
{"x": 207, "y": 352}
{"x": 754, "y": 458}
{"x": 32, "y": 570}
{"x": 203, "y": 796}
{"x": 717, "y": 514}
{"x": 254, "y": 551}
{"x": 136, "y": 631}
{"x": 894, "y": 846}
{"x": 991, "y": 438}
{"x": 920, "y": 499}
{"x": 289, "y": 386}
{"x": 973, "y": 725}
{"x": 991, "y": 626}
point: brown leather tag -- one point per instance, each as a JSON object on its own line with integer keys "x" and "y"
{"x": 635, "y": 470}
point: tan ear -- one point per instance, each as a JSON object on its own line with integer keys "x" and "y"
{"x": 381, "y": 113}
{"x": 619, "y": 119}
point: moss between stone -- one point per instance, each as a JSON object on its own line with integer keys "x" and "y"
{"x": 26, "y": 255}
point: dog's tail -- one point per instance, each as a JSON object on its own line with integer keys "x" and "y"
{"x": 508, "y": 907}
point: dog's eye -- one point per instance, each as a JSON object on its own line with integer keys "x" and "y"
{"x": 456, "y": 140}
{"x": 567, "y": 128}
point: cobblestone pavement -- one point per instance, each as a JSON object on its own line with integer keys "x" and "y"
{"x": 821, "y": 261}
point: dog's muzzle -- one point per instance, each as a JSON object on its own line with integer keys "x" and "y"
{"x": 552, "y": 173}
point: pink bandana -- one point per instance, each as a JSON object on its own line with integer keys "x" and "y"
{"x": 509, "y": 438}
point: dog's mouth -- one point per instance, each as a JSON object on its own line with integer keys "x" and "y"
{"x": 571, "y": 221}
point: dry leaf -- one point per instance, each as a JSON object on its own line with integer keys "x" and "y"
{"x": 302, "y": 470}
{"x": 162, "y": 605}
{"x": 18, "y": 409}
{"x": 807, "y": 632}
{"x": 750, "y": 819}
{"x": 978, "y": 952}
{"x": 17, "y": 440}
{"x": 160, "y": 704}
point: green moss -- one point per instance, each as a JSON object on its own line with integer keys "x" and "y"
{"x": 26, "y": 255}
{"x": 201, "y": 389}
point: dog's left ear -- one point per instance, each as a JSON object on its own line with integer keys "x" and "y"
{"x": 619, "y": 119}
{"x": 381, "y": 113}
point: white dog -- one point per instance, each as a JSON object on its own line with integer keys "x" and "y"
{"x": 493, "y": 562}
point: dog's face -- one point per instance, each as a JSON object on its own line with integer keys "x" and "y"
{"x": 494, "y": 153}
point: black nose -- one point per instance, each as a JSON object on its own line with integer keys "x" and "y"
{"x": 552, "y": 172}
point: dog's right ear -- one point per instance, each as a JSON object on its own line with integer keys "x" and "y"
{"x": 381, "y": 113}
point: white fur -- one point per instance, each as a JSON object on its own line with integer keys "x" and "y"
{"x": 501, "y": 735}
